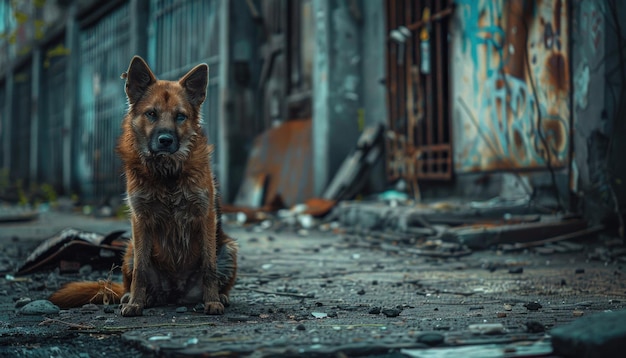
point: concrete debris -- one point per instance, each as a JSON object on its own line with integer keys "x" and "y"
{"x": 599, "y": 335}
{"x": 487, "y": 328}
{"x": 40, "y": 307}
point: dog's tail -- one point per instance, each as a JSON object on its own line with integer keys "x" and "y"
{"x": 76, "y": 294}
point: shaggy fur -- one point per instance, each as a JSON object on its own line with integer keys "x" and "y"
{"x": 179, "y": 252}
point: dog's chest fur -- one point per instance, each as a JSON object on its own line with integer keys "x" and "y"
{"x": 174, "y": 217}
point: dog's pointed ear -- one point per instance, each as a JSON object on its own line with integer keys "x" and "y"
{"x": 138, "y": 78}
{"x": 195, "y": 83}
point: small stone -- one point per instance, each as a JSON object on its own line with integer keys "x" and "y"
{"x": 332, "y": 314}
{"x": 90, "y": 307}
{"x": 508, "y": 307}
{"x": 319, "y": 314}
{"x": 501, "y": 314}
{"x": 391, "y": 312}
{"x": 300, "y": 327}
{"x": 430, "y": 339}
{"x": 535, "y": 327}
{"x": 533, "y": 306}
{"x": 85, "y": 270}
{"x": 181, "y": 309}
{"x": 578, "y": 313}
{"x": 486, "y": 328}
{"x": 108, "y": 309}
{"x": 39, "y": 307}
{"x": 361, "y": 292}
{"x": 579, "y": 271}
{"x": 516, "y": 270}
{"x": 22, "y": 302}
{"x": 374, "y": 310}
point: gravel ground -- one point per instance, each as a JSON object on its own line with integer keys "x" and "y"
{"x": 319, "y": 293}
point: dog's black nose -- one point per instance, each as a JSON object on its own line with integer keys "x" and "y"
{"x": 165, "y": 140}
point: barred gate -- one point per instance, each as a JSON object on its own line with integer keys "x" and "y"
{"x": 104, "y": 54}
{"x": 181, "y": 35}
{"x": 51, "y": 115}
{"x": 419, "y": 144}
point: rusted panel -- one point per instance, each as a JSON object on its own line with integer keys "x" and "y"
{"x": 511, "y": 85}
{"x": 282, "y": 157}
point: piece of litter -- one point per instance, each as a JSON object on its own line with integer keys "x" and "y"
{"x": 319, "y": 314}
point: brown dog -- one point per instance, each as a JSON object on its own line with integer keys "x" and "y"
{"x": 178, "y": 253}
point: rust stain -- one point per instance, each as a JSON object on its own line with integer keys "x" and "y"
{"x": 557, "y": 70}
{"x": 553, "y": 132}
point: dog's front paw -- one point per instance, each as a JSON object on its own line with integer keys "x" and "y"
{"x": 132, "y": 310}
{"x": 213, "y": 308}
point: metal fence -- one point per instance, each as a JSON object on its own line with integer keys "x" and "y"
{"x": 61, "y": 107}
{"x": 181, "y": 35}
{"x": 104, "y": 54}
{"x": 51, "y": 114}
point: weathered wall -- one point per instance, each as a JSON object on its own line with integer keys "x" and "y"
{"x": 599, "y": 133}
{"x": 510, "y": 58}
{"x": 337, "y": 87}
{"x": 373, "y": 38}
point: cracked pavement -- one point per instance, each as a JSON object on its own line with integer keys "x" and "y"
{"x": 322, "y": 293}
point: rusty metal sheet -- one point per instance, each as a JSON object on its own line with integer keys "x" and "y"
{"x": 511, "y": 85}
{"x": 280, "y": 162}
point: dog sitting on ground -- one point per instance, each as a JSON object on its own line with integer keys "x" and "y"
{"x": 178, "y": 252}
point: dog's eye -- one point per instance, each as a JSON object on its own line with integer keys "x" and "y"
{"x": 152, "y": 115}
{"x": 180, "y": 117}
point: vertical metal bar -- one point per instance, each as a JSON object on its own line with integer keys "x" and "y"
{"x": 439, "y": 63}
{"x": 429, "y": 107}
{"x": 224, "y": 28}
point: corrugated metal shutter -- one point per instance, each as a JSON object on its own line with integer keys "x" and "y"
{"x": 183, "y": 34}
{"x": 21, "y": 125}
{"x": 51, "y": 115}
{"x": 104, "y": 55}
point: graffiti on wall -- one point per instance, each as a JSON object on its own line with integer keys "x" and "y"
{"x": 512, "y": 85}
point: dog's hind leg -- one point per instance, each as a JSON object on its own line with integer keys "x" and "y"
{"x": 226, "y": 267}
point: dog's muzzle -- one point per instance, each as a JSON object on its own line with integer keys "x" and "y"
{"x": 165, "y": 142}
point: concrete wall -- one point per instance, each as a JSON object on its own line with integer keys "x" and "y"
{"x": 348, "y": 68}
{"x": 599, "y": 132}
{"x": 336, "y": 88}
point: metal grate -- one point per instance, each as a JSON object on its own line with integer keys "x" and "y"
{"x": 51, "y": 115}
{"x": 183, "y": 34}
{"x": 418, "y": 141}
{"x": 104, "y": 54}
